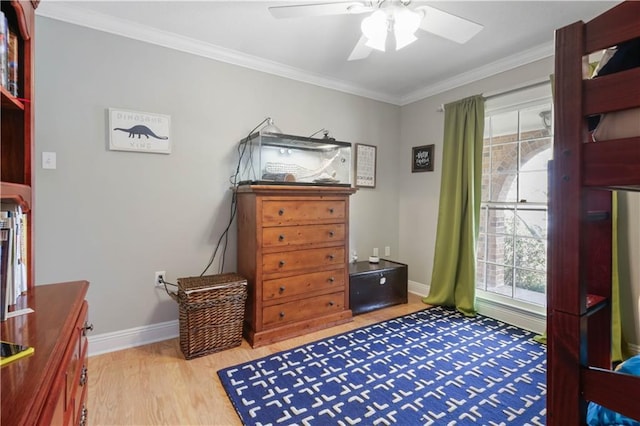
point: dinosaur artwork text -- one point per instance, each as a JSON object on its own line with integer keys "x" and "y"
{"x": 139, "y": 131}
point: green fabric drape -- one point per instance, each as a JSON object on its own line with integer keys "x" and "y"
{"x": 454, "y": 266}
{"x": 616, "y": 318}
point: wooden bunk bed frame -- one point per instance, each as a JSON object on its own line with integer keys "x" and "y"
{"x": 582, "y": 175}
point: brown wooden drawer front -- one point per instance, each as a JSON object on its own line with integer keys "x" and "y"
{"x": 303, "y": 259}
{"x": 286, "y": 212}
{"x": 302, "y": 284}
{"x": 285, "y": 236}
{"x": 299, "y": 310}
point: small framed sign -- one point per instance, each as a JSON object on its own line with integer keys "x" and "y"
{"x": 422, "y": 158}
{"x": 365, "y": 166}
{"x": 139, "y": 131}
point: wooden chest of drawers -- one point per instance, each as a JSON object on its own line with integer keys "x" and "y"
{"x": 50, "y": 386}
{"x": 293, "y": 244}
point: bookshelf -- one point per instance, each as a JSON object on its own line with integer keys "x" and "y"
{"x": 16, "y": 127}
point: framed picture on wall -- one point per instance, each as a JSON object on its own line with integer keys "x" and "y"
{"x": 365, "y": 166}
{"x": 139, "y": 131}
{"x": 422, "y": 158}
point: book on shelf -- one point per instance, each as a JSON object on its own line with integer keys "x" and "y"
{"x": 12, "y": 63}
{"x": 4, "y": 65}
{"x": 4, "y": 269}
{"x": 14, "y": 256}
{"x": 10, "y": 352}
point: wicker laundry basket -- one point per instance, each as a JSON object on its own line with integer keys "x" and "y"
{"x": 211, "y": 313}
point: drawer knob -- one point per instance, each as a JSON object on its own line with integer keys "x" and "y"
{"x": 83, "y": 376}
{"x": 87, "y": 327}
{"x": 331, "y": 257}
{"x": 280, "y": 212}
{"x": 331, "y": 303}
{"x": 331, "y": 210}
{"x": 281, "y": 237}
{"x": 331, "y": 279}
{"x": 281, "y": 263}
{"x": 331, "y": 233}
{"x": 281, "y": 314}
{"x": 282, "y": 289}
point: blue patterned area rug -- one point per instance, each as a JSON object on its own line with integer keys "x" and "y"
{"x": 432, "y": 367}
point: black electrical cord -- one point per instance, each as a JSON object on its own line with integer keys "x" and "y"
{"x": 242, "y": 147}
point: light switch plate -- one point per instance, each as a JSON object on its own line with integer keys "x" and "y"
{"x": 48, "y": 160}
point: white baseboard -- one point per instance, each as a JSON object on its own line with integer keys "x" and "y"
{"x": 138, "y": 336}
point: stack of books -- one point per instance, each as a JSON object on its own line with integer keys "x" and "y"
{"x": 13, "y": 257}
{"x": 8, "y": 57}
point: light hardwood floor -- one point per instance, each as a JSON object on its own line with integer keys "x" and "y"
{"x": 155, "y": 385}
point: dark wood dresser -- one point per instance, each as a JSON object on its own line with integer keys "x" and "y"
{"x": 377, "y": 285}
{"x": 293, "y": 244}
{"x": 49, "y": 386}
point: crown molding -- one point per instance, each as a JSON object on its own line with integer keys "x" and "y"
{"x": 89, "y": 19}
{"x": 510, "y": 62}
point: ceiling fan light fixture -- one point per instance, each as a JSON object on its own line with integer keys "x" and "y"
{"x": 405, "y": 23}
{"x": 375, "y": 28}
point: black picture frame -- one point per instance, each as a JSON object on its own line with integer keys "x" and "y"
{"x": 422, "y": 158}
{"x": 365, "y": 165}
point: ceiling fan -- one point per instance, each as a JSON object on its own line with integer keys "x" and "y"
{"x": 397, "y": 17}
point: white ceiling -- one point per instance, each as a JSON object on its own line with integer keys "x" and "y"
{"x": 315, "y": 49}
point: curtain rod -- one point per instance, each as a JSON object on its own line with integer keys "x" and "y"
{"x": 495, "y": 94}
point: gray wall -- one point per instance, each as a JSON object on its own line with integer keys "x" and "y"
{"x": 114, "y": 218}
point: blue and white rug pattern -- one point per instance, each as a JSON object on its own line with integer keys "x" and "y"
{"x": 432, "y": 367}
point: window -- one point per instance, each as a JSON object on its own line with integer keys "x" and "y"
{"x": 512, "y": 245}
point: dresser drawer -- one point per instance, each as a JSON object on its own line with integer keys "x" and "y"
{"x": 288, "y": 212}
{"x": 303, "y": 259}
{"x": 274, "y": 290}
{"x": 302, "y": 309}
{"x": 284, "y": 236}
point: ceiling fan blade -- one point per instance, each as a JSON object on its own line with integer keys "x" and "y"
{"x": 318, "y": 9}
{"x": 361, "y": 50}
{"x": 449, "y": 26}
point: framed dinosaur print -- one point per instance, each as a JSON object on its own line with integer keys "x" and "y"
{"x": 139, "y": 131}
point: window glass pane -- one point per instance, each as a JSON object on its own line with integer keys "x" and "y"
{"x": 531, "y": 286}
{"x": 486, "y": 174}
{"x": 532, "y": 223}
{"x": 504, "y": 158}
{"x": 504, "y": 127}
{"x": 501, "y": 221}
{"x": 535, "y": 122}
{"x": 480, "y": 276}
{"x": 483, "y": 219}
{"x": 480, "y": 249}
{"x": 499, "y": 279}
{"x": 535, "y": 154}
{"x": 533, "y": 187}
{"x": 531, "y": 253}
{"x": 504, "y": 187}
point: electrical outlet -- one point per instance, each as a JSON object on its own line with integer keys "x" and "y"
{"x": 387, "y": 251}
{"x": 375, "y": 251}
{"x": 159, "y": 282}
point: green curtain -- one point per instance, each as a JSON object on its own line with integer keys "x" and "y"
{"x": 617, "y": 342}
{"x": 454, "y": 266}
